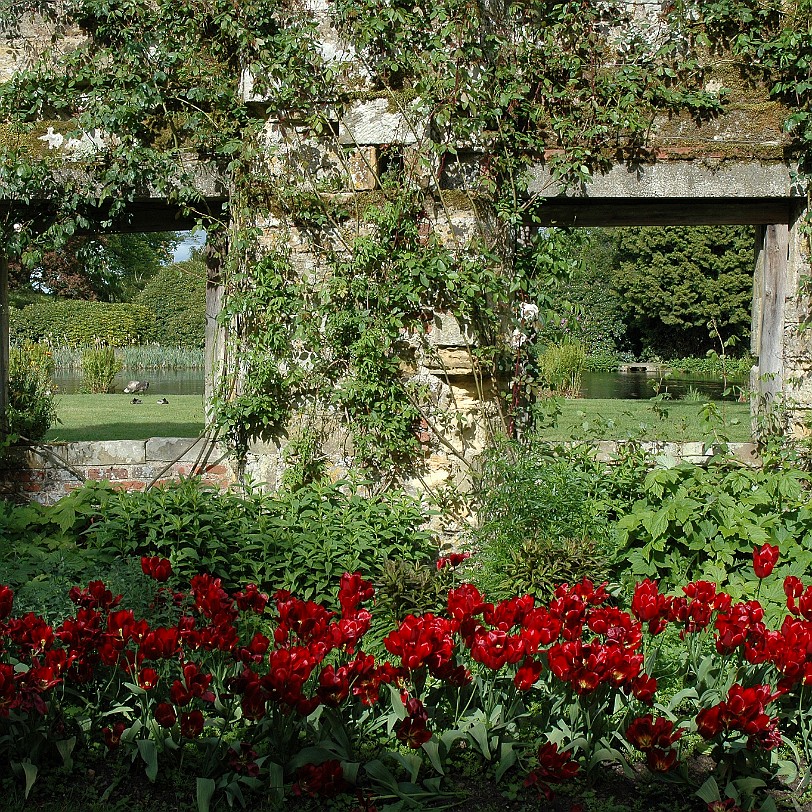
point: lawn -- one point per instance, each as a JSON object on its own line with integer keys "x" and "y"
{"x": 115, "y": 417}
{"x": 675, "y": 421}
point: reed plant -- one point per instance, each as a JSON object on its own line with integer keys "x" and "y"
{"x": 561, "y": 367}
{"x": 134, "y": 357}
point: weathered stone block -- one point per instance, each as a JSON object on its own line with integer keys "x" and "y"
{"x": 183, "y": 449}
{"x": 379, "y": 121}
{"x": 362, "y": 168}
{"x": 107, "y": 452}
{"x": 449, "y": 361}
{"x": 446, "y": 331}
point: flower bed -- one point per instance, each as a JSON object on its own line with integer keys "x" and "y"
{"x": 279, "y": 695}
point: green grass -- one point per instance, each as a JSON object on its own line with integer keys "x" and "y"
{"x": 679, "y": 421}
{"x": 114, "y": 417}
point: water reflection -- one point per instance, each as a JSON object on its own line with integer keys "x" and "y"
{"x": 161, "y": 382}
{"x": 641, "y": 386}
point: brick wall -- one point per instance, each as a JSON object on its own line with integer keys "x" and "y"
{"x": 128, "y": 464}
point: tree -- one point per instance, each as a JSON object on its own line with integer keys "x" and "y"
{"x": 177, "y": 297}
{"x": 107, "y": 268}
{"x": 673, "y": 282}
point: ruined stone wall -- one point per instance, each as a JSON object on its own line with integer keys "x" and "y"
{"x": 740, "y": 155}
{"x": 47, "y": 475}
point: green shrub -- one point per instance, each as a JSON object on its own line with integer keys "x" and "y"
{"x": 177, "y": 298}
{"x": 692, "y": 522}
{"x": 539, "y": 521}
{"x": 99, "y": 369}
{"x": 76, "y": 322}
{"x": 736, "y": 369}
{"x": 299, "y": 541}
{"x": 31, "y": 410}
{"x": 561, "y": 367}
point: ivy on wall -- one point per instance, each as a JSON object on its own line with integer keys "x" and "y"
{"x": 330, "y": 290}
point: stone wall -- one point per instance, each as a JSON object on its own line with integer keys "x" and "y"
{"x": 45, "y": 476}
{"x": 131, "y": 465}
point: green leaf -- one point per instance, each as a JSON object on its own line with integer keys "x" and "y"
{"x": 709, "y": 791}
{"x": 149, "y": 754}
{"x": 432, "y": 749}
{"x": 205, "y": 792}
{"x": 65, "y": 749}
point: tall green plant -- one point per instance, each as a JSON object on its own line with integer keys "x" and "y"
{"x": 31, "y": 410}
{"x": 99, "y": 369}
{"x": 539, "y": 520}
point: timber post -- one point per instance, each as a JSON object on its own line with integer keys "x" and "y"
{"x": 4, "y": 347}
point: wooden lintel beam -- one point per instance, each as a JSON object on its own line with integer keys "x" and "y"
{"x": 4, "y": 345}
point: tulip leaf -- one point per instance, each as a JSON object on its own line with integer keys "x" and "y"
{"x": 205, "y": 791}
{"x": 149, "y": 753}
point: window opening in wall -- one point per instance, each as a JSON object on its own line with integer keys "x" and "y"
{"x": 115, "y": 325}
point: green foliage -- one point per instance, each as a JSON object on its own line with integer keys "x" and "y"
{"x": 691, "y": 522}
{"x": 31, "y": 410}
{"x": 177, "y": 298}
{"x": 135, "y": 357}
{"x": 100, "y": 365}
{"x": 107, "y": 268}
{"x": 674, "y": 281}
{"x": 75, "y": 322}
{"x": 561, "y": 367}
{"x": 540, "y": 521}
{"x": 737, "y": 369}
{"x": 300, "y": 540}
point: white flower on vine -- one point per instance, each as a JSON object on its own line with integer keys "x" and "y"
{"x": 517, "y": 339}
{"x": 528, "y": 311}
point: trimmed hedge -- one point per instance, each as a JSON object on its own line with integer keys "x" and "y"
{"x": 77, "y": 322}
{"x": 177, "y": 297}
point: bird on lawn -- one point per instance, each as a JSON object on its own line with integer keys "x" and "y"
{"x": 135, "y": 400}
{"x": 163, "y": 402}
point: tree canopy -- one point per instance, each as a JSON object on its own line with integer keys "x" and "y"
{"x": 106, "y": 268}
{"x": 678, "y": 286}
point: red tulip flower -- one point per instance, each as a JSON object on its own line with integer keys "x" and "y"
{"x": 764, "y": 559}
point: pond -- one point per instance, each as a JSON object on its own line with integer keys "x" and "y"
{"x": 161, "y": 381}
{"x": 615, "y": 385}
{"x": 641, "y": 386}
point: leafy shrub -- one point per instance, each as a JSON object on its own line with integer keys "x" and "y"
{"x": 692, "y": 523}
{"x": 99, "y": 369}
{"x": 177, "y": 298}
{"x": 77, "y": 322}
{"x": 31, "y": 410}
{"x": 737, "y": 369}
{"x": 561, "y": 367}
{"x": 539, "y": 521}
{"x": 297, "y": 541}
{"x": 603, "y": 362}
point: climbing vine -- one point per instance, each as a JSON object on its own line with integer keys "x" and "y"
{"x": 338, "y": 257}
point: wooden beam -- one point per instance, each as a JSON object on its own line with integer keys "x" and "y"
{"x": 773, "y": 292}
{"x": 643, "y": 211}
{"x": 4, "y": 345}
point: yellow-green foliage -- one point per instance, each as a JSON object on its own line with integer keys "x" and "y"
{"x": 75, "y": 322}
{"x": 561, "y": 367}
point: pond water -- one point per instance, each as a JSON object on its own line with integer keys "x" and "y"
{"x": 641, "y": 385}
{"x": 630, "y": 385}
{"x": 161, "y": 381}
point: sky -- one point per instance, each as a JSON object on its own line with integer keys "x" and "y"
{"x": 191, "y": 239}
